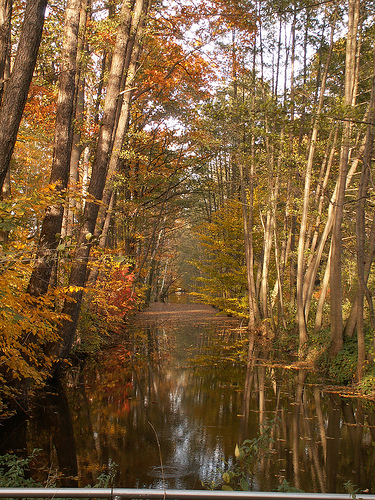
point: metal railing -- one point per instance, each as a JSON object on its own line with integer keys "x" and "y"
{"x": 120, "y": 493}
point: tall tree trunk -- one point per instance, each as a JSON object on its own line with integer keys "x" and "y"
{"x": 335, "y": 278}
{"x": 302, "y": 320}
{"x": 15, "y": 95}
{"x": 5, "y": 41}
{"x": 97, "y": 182}
{"x": 52, "y": 223}
{"x": 312, "y": 271}
{"x": 5, "y": 50}
{"x": 79, "y": 113}
{"x": 254, "y": 315}
{"x": 361, "y": 230}
{"x": 131, "y": 65}
{"x": 247, "y": 218}
{"x": 351, "y": 322}
{"x": 319, "y": 237}
{"x": 267, "y": 247}
{"x": 323, "y": 294}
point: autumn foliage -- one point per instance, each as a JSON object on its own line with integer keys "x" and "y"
{"x": 185, "y": 125}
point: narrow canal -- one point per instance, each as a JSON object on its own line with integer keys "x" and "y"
{"x": 167, "y": 407}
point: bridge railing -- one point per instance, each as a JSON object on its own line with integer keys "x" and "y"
{"x": 153, "y": 494}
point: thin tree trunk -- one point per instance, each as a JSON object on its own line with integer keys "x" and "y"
{"x": 351, "y": 322}
{"x": 361, "y": 229}
{"x": 314, "y": 266}
{"x": 335, "y": 278}
{"x": 267, "y": 247}
{"x": 304, "y": 97}
{"x": 323, "y": 294}
{"x": 317, "y": 248}
{"x": 321, "y": 195}
{"x": 94, "y": 272}
{"x": 247, "y": 224}
{"x": 302, "y": 320}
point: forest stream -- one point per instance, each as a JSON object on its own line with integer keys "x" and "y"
{"x": 167, "y": 407}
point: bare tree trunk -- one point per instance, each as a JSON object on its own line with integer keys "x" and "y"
{"x": 52, "y": 223}
{"x": 267, "y": 247}
{"x": 319, "y": 198}
{"x": 336, "y": 283}
{"x": 351, "y": 322}
{"x": 302, "y": 320}
{"x": 316, "y": 247}
{"x": 15, "y": 95}
{"x": 247, "y": 224}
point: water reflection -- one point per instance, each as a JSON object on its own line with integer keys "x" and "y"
{"x": 146, "y": 393}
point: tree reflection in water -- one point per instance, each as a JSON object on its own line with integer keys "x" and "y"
{"x": 200, "y": 411}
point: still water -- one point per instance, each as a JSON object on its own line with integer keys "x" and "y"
{"x": 167, "y": 407}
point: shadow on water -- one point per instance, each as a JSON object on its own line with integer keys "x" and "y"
{"x": 51, "y": 425}
{"x": 179, "y": 382}
{"x": 47, "y": 428}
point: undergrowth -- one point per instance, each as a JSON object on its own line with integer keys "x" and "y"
{"x": 15, "y": 472}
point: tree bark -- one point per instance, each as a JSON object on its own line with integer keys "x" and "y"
{"x": 351, "y": 322}
{"x": 79, "y": 113}
{"x": 98, "y": 178}
{"x": 52, "y": 223}
{"x": 361, "y": 230}
{"x": 131, "y": 65}
{"x": 254, "y": 315}
{"x": 335, "y": 278}
{"x": 302, "y": 320}
{"x": 15, "y": 95}
{"x": 5, "y": 42}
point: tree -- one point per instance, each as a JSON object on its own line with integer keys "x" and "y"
{"x": 5, "y": 29}
{"x": 301, "y": 277}
{"x": 97, "y": 182}
{"x": 351, "y": 75}
{"x": 52, "y": 223}
{"x": 15, "y": 95}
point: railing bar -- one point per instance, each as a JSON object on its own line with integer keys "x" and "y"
{"x": 120, "y": 493}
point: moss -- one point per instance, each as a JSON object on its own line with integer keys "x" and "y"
{"x": 342, "y": 368}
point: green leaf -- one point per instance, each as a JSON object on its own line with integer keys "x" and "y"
{"x": 118, "y": 259}
{"x": 225, "y": 487}
{"x": 244, "y": 485}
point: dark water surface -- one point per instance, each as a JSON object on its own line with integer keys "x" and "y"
{"x": 147, "y": 410}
